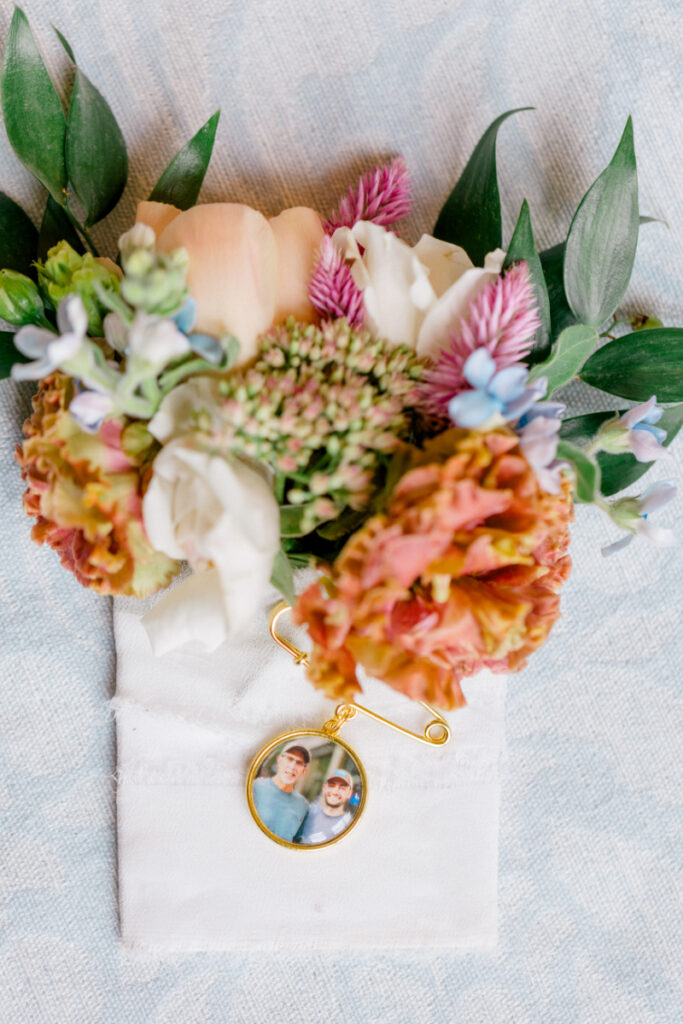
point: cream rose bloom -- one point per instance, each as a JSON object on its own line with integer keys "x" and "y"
{"x": 221, "y": 516}
{"x": 245, "y": 272}
{"x": 413, "y": 296}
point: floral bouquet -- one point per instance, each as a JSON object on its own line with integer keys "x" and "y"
{"x": 253, "y": 395}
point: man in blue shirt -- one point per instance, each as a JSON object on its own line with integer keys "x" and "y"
{"x": 281, "y": 809}
{"x": 330, "y": 816}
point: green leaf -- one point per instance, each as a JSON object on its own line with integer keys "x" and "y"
{"x": 523, "y": 247}
{"x": 573, "y": 347}
{"x": 581, "y": 430}
{"x": 348, "y": 522}
{"x": 561, "y": 316}
{"x": 640, "y": 364}
{"x": 34, "y": 120}
{"x": 180, "y": 183}
{"x": 291, "y": 517}
{"x": 653, "y": 220}
{"x": 18, "y": 237}
{"x": 66, "y": 44}
{"x": 645, "y": 323}
{"x": 586, "y": 471}
{"x": 602, "y": 239}
{"x": 618, "y": 471}
{"x": 54, "y": 227}
{"x": 96, "y": 157}
{"x": 283, "y": 578}
{"x": 471, "y": 216}
{"x": 9, "y": 355}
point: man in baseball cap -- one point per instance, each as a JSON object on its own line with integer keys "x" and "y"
{"x": 329, "y": 816}
{"x": 280, "y": 808}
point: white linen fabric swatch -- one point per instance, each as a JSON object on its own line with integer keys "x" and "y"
{"x": 196, "y": 872}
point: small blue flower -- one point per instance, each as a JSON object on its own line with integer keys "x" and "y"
{"x": 643, "y": 416}
{"x": 186, "y": 316}
{"x": 632, "y": 514}
{"x": 547, "y": 410}
{"x": 634, "y": 432}
{"x": 90, "y": 409}
{"x": 207, "y": 347}
{"x": 495, "y": 392}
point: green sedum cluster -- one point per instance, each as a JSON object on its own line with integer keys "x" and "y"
{"x": 322, "y": 407}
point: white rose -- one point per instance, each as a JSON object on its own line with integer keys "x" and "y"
{"x": 223, "y": 518}
{"x": 413, "y": 296}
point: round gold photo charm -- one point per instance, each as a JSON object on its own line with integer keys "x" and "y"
{"x": 306, "y": 789}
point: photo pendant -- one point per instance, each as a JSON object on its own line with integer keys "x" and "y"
{"x": 306, "y": 789}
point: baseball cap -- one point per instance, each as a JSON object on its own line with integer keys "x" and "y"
{"x": 339, "y": 773}
{"x": 300, "y": 749}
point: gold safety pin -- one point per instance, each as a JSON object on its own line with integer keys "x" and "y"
{"x": 436, "y": 732}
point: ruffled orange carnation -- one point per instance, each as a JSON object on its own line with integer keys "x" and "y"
{"x": 85, "y": 491}
{"x": 462, "y": 572}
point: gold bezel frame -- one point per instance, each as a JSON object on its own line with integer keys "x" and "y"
{"x": 290, "y": 736}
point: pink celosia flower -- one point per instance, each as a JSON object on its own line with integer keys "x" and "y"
{"x": 332, "y": 290}
{"x": 462, "y": 572}
{"x": 503, "y": 319}
{"x": 383, "y": 196}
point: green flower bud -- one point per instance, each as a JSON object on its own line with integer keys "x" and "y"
{"x": 155, "y": 282}
{"x": 613, "y": 437}
{"x": 139, "y": 262}
{"x": 625, "y": 513}
{"x": 66, "y": 272}
{"x": 20, "y": 301}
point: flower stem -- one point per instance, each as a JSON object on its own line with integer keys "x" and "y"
{"x": 150, "y": 390}
{"x": 172, "y": 377}
{"x": 81, "y": 230}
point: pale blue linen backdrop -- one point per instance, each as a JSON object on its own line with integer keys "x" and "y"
{"x": 590, "y": 872}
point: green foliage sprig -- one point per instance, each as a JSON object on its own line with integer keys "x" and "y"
{"x": 579, "y": 284}
{"x": 80, "y": 156}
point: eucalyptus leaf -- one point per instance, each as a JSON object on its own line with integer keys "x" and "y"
{"x": 180, "y": 183}
{"x": 618, "y": 471}
{"x": 282, "y": 577}
{"x": 18, "y": 238}
{"x": 96, "y": 157}
{"x": 523, "y": 247}
{"x": 571, "y": 351}
{"x": 54, "y": 227}
{"x": 471, "y": 216}
{"x": 644, "y": 363}
{"x": 34, "y": 119}
{"x": 602, "y": 239}
{"x": 586, "y": 471}
{"x": 561, "y": 316}
{"x": 9, "y": 355}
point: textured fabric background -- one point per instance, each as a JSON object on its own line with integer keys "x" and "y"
{"x": 590, "y": 875}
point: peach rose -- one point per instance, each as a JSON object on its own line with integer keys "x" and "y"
{"x": 246, "y": 272}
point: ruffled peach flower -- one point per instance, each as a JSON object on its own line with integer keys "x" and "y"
{"x": 462, "y": 572}
{"x": 245, "y": 272}
{"x": 85, "y": 491}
